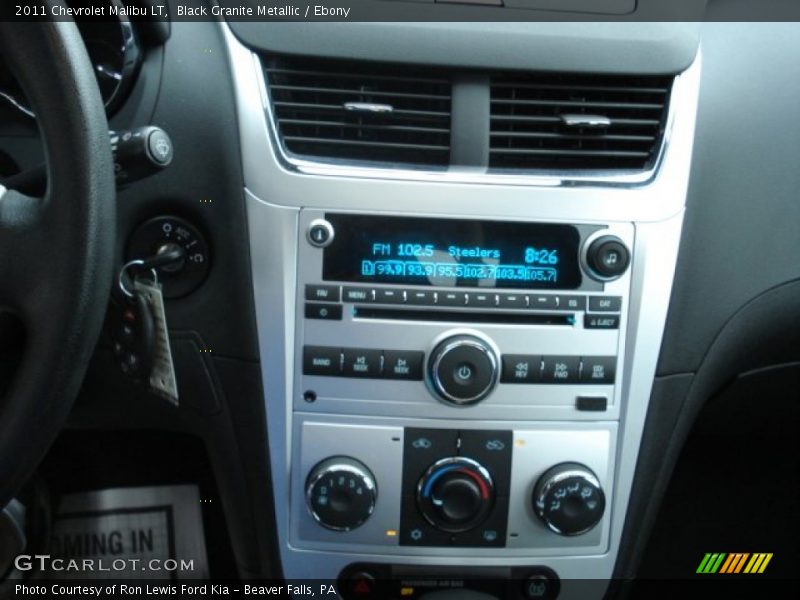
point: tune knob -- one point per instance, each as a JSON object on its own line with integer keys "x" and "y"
{"x": 569, "y": 499}
{"x": 607, "y": 257}
{"x": 463, "y": 369}
{"x": 340, "y": 493}
{"x": 455, "y": 494}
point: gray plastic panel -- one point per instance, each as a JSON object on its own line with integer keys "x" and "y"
{"x": 597, "y": 47}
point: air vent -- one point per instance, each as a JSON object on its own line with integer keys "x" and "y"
{"x": 568, "y": 122}
{"x": 364, "y": 112}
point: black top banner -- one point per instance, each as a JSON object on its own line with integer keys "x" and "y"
{"x": 401, "y": 10}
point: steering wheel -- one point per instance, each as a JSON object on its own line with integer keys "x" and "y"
{"x": 56, "y": 252}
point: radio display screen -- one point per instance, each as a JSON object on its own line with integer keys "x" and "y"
{"x": 452, "y": 253}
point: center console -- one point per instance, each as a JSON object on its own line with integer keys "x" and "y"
{"x": 456, "y": 369}
{"x": 426, "y": 351}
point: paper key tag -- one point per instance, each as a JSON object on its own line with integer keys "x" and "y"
{"x": 162, "y": 377}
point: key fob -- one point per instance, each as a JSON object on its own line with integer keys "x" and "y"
{"x": 135, "y": 337}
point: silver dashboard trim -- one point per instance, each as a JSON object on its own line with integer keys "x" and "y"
{"x": 274, "y": 197}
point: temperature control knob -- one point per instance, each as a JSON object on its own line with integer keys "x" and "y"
{"x": 463, "y": 369}
{"x": 455, "y": 494}
{"x": 340, "y": 493}
{"x": 569, "y": 499}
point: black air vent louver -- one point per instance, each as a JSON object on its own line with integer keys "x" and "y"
{"x": 308, "y": 100}
{"x": 529, "y": 114}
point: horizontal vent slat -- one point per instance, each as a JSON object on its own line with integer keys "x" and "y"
{"x": 571, "y": 153}
{"x": 582, "y": 88}
{"x": 562, "y": 136}
{"x": 332, "y": 141}
{"x": 580, "y": 103}
{"x": 363, "y": 126}
{"x": 529, "y": 129}
{"x": 351, "y": 92}
{"x": 339, "y": 109}
{"x": 557, "y": 120}
{"x": 344, "y": 75}
{"x": 308, "y": 98}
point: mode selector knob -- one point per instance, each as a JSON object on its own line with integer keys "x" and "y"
{"x": 569, "y": 499}
{"x": 462, "y": 369}
{"x": 455, "y": 494}
{"x": 340, "y": 493}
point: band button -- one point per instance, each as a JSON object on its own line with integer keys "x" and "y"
{"x": 321, "y": 360}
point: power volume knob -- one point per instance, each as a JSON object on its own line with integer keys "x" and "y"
{"x": 463, "y": 369}
{"x": 569, "y": 499}
{"x": 340, "y": 493}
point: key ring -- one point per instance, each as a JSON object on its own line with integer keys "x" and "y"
{"x": 124, "y": 277}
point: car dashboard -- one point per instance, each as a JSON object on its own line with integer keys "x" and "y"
{"x": 456, "y": 291}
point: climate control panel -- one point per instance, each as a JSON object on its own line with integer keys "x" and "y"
{"x": 372, "y": 484}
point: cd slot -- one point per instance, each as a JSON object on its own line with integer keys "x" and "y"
{"x": 463, "y": 316}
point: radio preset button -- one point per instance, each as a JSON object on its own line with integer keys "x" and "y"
{"x": 543, "y": 302}
{"x": 323, "y": 293}
{"x": 560, "y": 369}
{"x": 402, "y": 364}
{"x": 421, "y": 297}
{"x": 482, "y": 299}
{"x": 390, "y": 296}
{"x": 362, "y": 363}
{"x": 453, "y": 298}
{"x": 521, "y": 368}
{"x": 321, "y": 360}
{"x": 598, "y": 369}
{"x": 605, "y": 304}
{"x": 332, "y": 312}
{"x": 601, "y": 321}
{"x": 359, "y": 294}
{"x": 512, "y": 301}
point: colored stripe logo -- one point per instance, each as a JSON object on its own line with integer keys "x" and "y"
{"x": 733, "y": 563}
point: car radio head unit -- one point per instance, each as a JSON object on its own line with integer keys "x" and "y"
{"x": 452, "y": 253}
